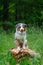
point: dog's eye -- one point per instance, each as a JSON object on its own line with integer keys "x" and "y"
{"x": 24, "y": 29}
{"x": 19, "y": 27}
{"x": 23, "y": 26}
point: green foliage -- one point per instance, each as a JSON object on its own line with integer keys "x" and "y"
{"x": 25, "y": 61}
{"x": 27, "y": 11}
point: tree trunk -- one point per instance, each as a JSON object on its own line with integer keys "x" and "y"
{"x": 5, "y": 13}
{"x": 17, "y": 12}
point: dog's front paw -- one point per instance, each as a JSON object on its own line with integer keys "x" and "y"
{"x": 24, "y": 47}
{"x": 18, "y": 48}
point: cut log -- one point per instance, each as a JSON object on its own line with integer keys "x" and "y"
{"x": 22, "y": 52}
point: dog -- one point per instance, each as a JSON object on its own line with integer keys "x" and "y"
{"x": 20, "y": 36}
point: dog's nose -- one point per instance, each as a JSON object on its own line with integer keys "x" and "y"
{"x": 21, "y": 30}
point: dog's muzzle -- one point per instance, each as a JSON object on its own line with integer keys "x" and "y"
{"x": 21, "y": 30}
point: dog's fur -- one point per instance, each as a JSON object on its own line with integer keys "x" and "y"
{"x": 20, "y": 36}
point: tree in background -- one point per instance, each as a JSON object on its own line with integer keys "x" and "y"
{"x": 5, "y": 13}
{"x": 26, "y": 11}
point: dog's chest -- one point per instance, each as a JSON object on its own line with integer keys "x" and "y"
{"x": 20, "y": 36}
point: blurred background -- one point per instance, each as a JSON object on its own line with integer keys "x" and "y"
{"x": 25, "y": 11}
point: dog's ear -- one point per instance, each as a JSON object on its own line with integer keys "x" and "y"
{"x": 25, "y": 25}
{"x": 17, "y": 25}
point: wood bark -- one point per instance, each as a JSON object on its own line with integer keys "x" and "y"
{"x": 22, "y": 52}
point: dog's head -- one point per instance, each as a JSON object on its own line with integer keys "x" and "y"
{"x": 21, "y": 27}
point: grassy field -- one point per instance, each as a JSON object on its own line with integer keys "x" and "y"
{"x": 35, "y": 42}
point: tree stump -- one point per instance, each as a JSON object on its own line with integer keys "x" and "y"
{"x": 18, "y": 54}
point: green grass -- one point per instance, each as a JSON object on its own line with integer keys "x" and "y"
{"x": 35, "y": 42}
